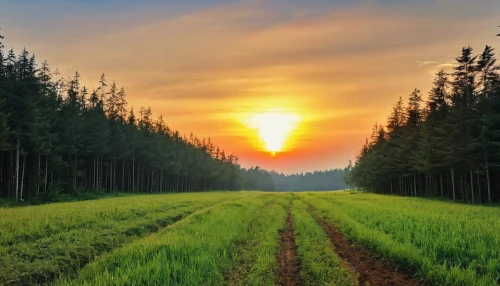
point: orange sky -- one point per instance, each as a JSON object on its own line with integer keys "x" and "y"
{"x": 340, "y": 66}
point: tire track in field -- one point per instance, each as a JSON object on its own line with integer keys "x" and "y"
{"x": 237, "y": 274}
{"x": 288, "y": 261}
{"x": 371, "y": 270}
{"x": 129, "y": 235}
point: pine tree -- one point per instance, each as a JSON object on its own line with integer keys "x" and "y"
{"x": 54, "y": 137}
{"x": 449, "y": 148}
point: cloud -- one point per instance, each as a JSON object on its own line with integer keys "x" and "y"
{"x": 447, "y": 64}
{"x": 425, "y": 63}
{"x": 340, "y": 66}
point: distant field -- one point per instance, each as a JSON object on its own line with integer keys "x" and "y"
{"x": 251, "y": 238}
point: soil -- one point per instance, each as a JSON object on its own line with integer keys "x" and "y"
{"x": 372, "y": 270}
{"x": 288, "y": 261}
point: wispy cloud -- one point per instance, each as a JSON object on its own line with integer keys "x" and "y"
{"x": 447, "y": 64}
{"x": 425, "y": 63}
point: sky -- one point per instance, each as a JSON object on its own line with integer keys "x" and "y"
{"x": 211, "y": 67}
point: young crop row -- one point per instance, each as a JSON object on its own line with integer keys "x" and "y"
{"x": 246, "y": 238}
{"x": 320, "y": 264}
{"x": 445, "y": 244}
{"x": 39, "y": 243}
{"x": 233, "y": 243}
{"x": 194, "y": 251}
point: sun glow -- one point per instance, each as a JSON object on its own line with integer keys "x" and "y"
{"x": 274, "y": 128}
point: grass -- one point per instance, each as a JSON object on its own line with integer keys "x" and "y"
{"x": 194, "y": 251}
{"x": 445, "y": 244}
{"x": 320, "y": 264}
{"x": 232, "y": 238}
{"x": 257, "y": 265}
{"x": 38, "y": 243}
{"x": 51, "y": 198}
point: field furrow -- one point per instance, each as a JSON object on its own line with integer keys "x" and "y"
{"x": 45, "y": 246}
{"x": 194, "y": 251}
{"x": 320, "y": 264}
{"x": 251, "y": 238}
{"x": 441, "y": 243}
{"x": 288, "y": 260}
{"x": 371, "y": 270}
{"x": 257, "y": 265}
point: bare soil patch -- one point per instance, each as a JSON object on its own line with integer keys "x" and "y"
{"x": 372, "y": 270}
{"x": 288, "y": 261}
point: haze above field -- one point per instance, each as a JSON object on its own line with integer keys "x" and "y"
{"x": 307, "y": 77}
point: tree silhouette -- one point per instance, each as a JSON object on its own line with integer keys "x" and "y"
{"x": 450, "y": 147}
{"x": 57, "y": 137}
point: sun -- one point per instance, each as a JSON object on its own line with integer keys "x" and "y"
{"x": 274, "y": 127}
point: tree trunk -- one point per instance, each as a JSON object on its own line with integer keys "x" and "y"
{"x": 123, "y": 176}
{"x": 414, "y": 184}
{"x": 487, "y": 179}
{"x": 129, "y": 181}
{"x": 97, "y": 171}
{"x": 426, "y": 185}
{"x": 453, "y": 183}
{"x": 17, "y": 169}
{"x": 46, "y": 171}
{"x": 408, "y": 186}
{"x": 114, "y": 175}
{"x": 400, "y": 186}
{"x": 472, "y": 185}
{"x": 100, "y": 175}
{"x": 94, "y": 186}
{"x": 111, "y": 175}
{"x": 12, "y": 174}
{"x": 160, "y": 185}
{"x": 38, "y": 176}
{"x": 76, "y": 171}
{"x": 22, "y": 178}
{"x": 478, "y": 187}
{"x": 462, "y": 189}
{"x": 168, "y": 187}
{"x": 140, "y": 180}
{"x": 178, "y": 183}
{"x": 441, "y": 179}
{"x": 105, "y": 179}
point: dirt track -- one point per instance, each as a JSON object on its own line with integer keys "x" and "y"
{"x": 372, "y": 271}
{"x": 289, "y": 267}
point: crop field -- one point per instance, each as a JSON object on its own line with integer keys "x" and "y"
{"x": 251, "y": 238}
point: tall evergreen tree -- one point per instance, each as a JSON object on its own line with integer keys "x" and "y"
{"x": 56, "y": 136}
{"x": 450, "y": 148}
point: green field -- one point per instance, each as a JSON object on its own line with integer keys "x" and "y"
{"x": 236, "y": 238}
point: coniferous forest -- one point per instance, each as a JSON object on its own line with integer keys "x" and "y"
{"x": 260, "y": 179}
{"x": 96, "y": 188}
{"x": 58, "y": 136}
{"x": 448, "y": 146}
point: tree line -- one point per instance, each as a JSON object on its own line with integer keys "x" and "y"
{"x": 58, "y": 136}
{"x": 448, "y": 146}
{"x": 260, "y": 179}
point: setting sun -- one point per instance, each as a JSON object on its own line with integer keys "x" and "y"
{"x": 274, "y": 128}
